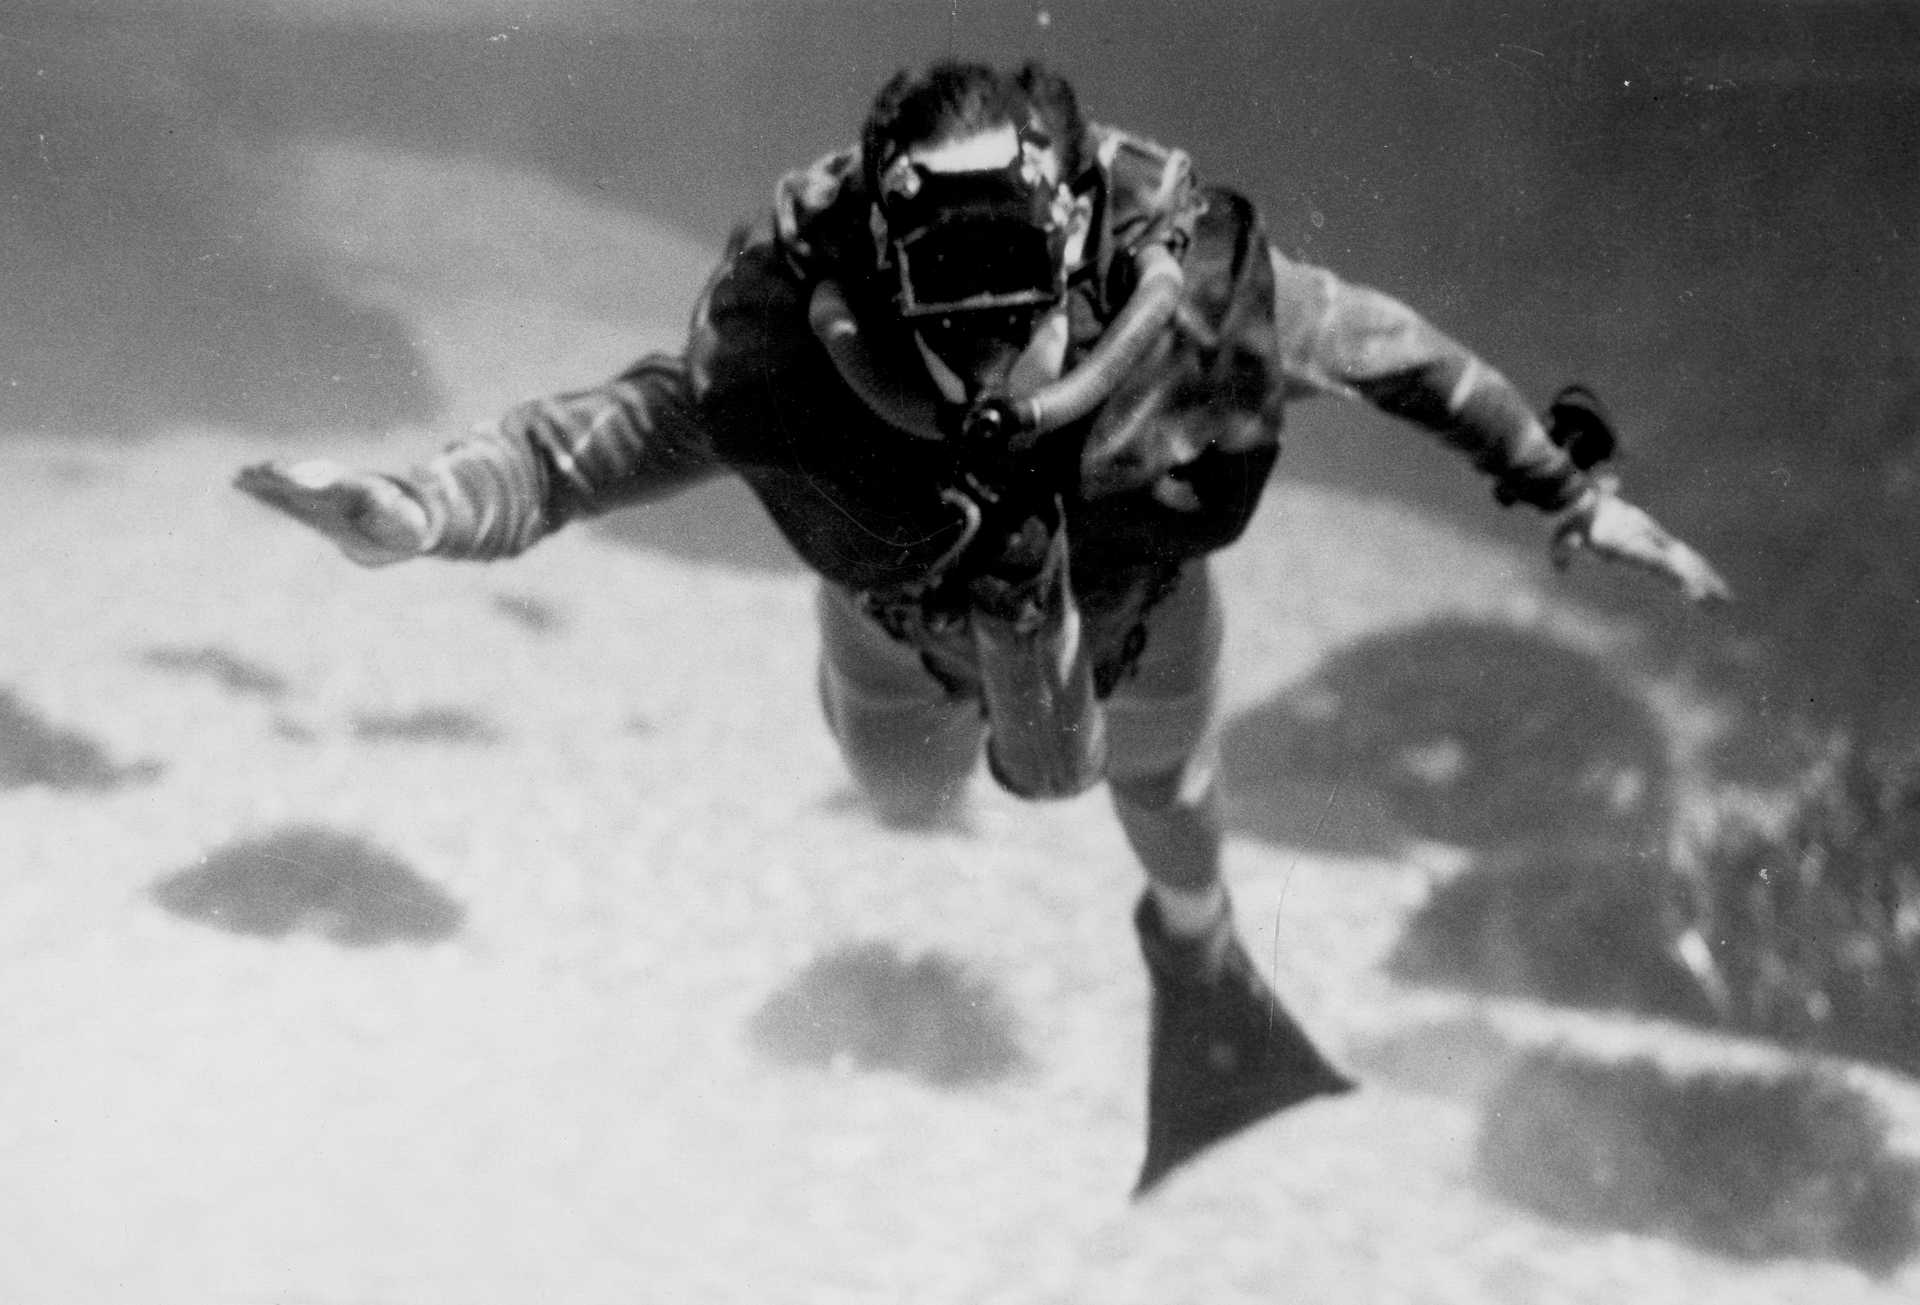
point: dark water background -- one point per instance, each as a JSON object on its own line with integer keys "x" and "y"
{"x": 1707, "y": 210}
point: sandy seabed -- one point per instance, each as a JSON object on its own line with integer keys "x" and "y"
{"x": 581, "y": 823}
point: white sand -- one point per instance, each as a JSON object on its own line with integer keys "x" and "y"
{"x": 559, "y": 1102}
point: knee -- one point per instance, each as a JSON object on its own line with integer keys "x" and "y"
{"x": 1191, "y": 785}
{"x": 1157, "y": 792}
{"x": 912, "y": 762}
{"x": 912, "y": 779}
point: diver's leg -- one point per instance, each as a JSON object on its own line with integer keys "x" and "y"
{"x": 1164, "y": 750}
{"x": 910, "y": 744}
{"x": 1225, "y": 1053}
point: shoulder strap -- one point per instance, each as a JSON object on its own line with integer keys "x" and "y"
{"x": 1151, "y": 194}
{"x": 819, "y": 215}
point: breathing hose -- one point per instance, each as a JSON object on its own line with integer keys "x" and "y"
{"x": 909, "y": 408}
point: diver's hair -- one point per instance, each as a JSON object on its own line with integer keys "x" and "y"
{"x": 953, "y": 98}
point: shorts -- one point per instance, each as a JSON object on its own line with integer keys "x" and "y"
{"x": 1163, "y": 712}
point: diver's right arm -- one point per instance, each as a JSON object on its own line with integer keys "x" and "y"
{"x": 513, "y": 481}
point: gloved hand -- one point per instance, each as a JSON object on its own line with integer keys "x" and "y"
{"x": 1608, "y": 526}
{"x": 370, "y": 516}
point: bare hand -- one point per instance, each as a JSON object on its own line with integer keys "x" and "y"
{"x": 373, "y": 520}
{"x": 1610, "y": 527}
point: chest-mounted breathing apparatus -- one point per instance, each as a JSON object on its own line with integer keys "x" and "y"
{"x": 990, "y": 241}
{"x": 986, "y": 250}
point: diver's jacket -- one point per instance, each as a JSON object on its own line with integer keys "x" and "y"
{"x": 1170, "y": 466}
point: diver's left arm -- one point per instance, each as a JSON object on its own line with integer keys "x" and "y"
{"x": 1340, "y": 338}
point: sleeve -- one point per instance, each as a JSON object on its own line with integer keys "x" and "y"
{"x": 520, "y": 478}
{"x": 1345, "y": 339}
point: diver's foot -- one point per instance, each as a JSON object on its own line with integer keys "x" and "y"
{"x": 1224, "y": 1055}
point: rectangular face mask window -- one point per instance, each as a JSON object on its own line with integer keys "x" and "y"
{"x": 972, "y": 264}
{"x": 971, "y": 241}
